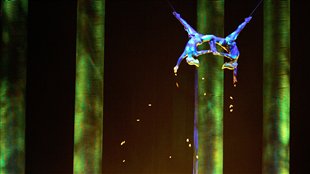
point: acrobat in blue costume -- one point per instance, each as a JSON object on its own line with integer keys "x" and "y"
{"x": 228, "y": 44}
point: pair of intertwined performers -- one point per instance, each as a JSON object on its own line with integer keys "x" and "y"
{"x": 228, "y": 45}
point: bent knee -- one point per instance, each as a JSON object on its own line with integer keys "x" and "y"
{"x": 234, "y": 57}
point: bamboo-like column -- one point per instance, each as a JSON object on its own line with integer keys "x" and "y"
{"x": 13, "y": 53}
{"x": 276, "y": 86}
{"x": 208, "y": 124}
{"x": 88, "y": 129}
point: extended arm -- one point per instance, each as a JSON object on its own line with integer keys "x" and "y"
{"x": 211, "y": 39}
{"x": 176, "y": 67}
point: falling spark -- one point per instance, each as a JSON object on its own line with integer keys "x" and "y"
{"x": 231, "y": 97}
{"x": 138, "y": 119}
{"x": 123, "y": 142}
{"x": 230, "y": 106}
{"x": 231, "y": 110}
{"x": 170, "y": 156}
{"x": 150, "y": 105}
{"x": 189, "y": 145}
{"x": 177, "y": 84}
{"x": 124, "y": 161}
{"x": 187, "y": 140}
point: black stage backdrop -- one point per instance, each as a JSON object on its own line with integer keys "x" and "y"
{"x": 50, "y": 86}
{"x": 152, "y": 31}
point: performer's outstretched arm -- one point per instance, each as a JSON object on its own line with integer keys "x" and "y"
{"x": 233, "y": 36}
{"x": 211, "y": 40}
{"x": 202, "y": 52}
{"x": 190, "y": 31}
{"x": 176, "y": 67}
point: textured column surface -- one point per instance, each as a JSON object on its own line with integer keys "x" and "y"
{"x": 276, "y": 86}
{"x": 13, "y": 52}
{"x": 89, "y": 87}
{"x": 208, "y": 125}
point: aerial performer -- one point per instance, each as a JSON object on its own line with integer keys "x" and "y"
{"x": 195, "y": 39}
{"x": 228, "y": 45}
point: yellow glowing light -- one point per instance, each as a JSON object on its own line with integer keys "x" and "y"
{"x": 177, "y": 84}
{"x": 149, "y": 104}
{"x": 203, "y": 78}
{"x": 189, "y": 145}
{"x": 231, "y": 97}
{"x": 231, "y": 110}
{"x": 187, "y": 140}
{"x": 205, "y": 94}
{"x": 230, "y": 106}
{"x": 196, "y": 156}
{"x": 138, "y": 119}
{"x": 170, "y": 156}
{"x": 123, "y": 142}
{"x": 124, "y": 161}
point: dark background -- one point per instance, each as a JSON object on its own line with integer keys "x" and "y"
{"x": 142, "y": 43}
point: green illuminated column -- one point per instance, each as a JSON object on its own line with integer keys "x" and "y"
{"x": 276, "y": 86}
{"x": 208, "y": 127}
{"x": 89, "y": 87}
{"x": 12, "y": 86}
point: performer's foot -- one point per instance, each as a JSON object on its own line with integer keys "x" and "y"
{"x": 230, "y": 65}
{"x": 192, "y": 61}
{"x": 176, "y": 14}
{"x": 248, "y": 19}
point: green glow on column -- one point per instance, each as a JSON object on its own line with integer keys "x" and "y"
{"x": 12, "y": 86}
{"x": 276, "y": 86}
{"x": 89, "y": 87}
{"x": 208, "y": 153}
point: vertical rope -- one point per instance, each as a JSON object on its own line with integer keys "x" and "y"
{"x": 256, "y": 7}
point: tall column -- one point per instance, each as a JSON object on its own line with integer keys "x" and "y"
{"x": 13, "y": 55}
{"x": 88, "y": 122}
{"x": 208, "y": 125}
{"x": 276, "y": 86}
